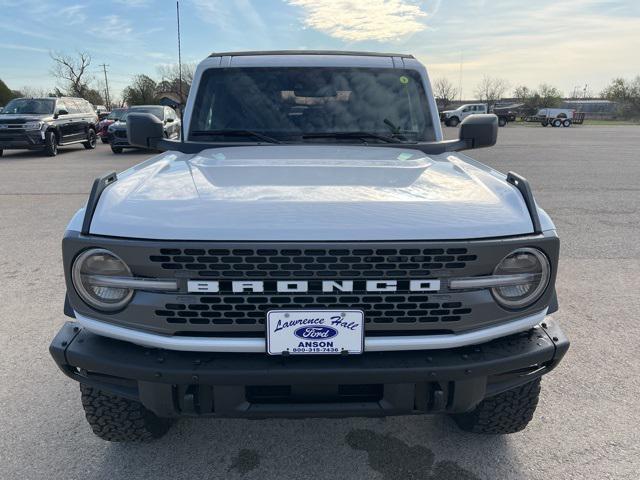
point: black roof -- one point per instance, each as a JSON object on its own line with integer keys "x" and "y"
{"x": 308, "y": 52}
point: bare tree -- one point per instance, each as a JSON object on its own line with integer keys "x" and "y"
{"x": 36, "y": 92}
{"x": 444, "y": 91}
{"x": 170, "y": 80}
{"x": 491, "y": 89}
{"x": 72, "y": 72}
{"x": 522, "y": 93}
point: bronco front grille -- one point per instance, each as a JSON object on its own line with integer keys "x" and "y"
{"x": 252, "y": 309}
{"x": 335, "y": 263}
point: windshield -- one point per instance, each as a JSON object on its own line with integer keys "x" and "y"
{"x": 157, "y": 111}
{"x": 30, "y": 105}
{"x": 311, "y": 104}
{"x": 116, "y": 114}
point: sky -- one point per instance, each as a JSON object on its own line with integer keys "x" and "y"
{"x": 567, "y": 43}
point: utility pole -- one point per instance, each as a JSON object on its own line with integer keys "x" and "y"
{"x": 106, "y": 84}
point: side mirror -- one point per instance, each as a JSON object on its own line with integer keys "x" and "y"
{"x": 478, "y": 131}
{"x": 144, "y": 130}
{"x": 62, "y": 111}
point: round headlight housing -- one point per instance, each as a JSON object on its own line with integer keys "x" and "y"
{"x": 91, "y": 271}
{"x": 530, "y": 271}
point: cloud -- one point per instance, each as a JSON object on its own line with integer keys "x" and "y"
{"x": 13, "y": 46}
{"x": 358, "y": 20}
{"x": 72, "y": 15}
{"x": 113, "y": 26}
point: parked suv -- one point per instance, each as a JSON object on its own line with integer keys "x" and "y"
{"x": 103, "y": 127}
{"x": 46, "y": 124}
{"x": 314, "y": 247}
{"x": 452, "y": 118}
{"x": 117, "y": 131}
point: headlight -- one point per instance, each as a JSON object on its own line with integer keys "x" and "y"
{"x": 32, "y": 125}
{"x": 526, "y": 272}
{"x": 91, "y": 272}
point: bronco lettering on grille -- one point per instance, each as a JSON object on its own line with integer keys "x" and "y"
{"x": 303, "y": 286}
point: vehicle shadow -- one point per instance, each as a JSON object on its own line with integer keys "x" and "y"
{"x": 424, "y": 447}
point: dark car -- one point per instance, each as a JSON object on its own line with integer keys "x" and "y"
{"x": 47, "y": 123}
{"x": 117, "y": 131}
{"x": 115, "y": 115}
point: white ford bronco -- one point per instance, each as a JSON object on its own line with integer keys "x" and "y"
{"x": 311, "y": 247}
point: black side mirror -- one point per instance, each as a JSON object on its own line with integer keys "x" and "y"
{"x": 144, "y": 130}
{"x": 62, "y": 111}
{"x": 478, "y": 131}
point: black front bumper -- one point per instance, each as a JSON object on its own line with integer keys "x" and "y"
{"x": 256, "y": 385}
{"x": 117, "y": 141}
{"x": 21, "y": 141}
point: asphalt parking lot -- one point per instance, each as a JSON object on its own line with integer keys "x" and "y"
{"x": 587, "y": 421}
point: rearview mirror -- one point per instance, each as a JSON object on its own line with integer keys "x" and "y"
{"x": 478, "y": 131}
{"x": 144, "y": 130}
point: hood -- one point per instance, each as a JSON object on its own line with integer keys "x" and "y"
{"x": 23, "y": 118}
{"x": 310, "y": 193}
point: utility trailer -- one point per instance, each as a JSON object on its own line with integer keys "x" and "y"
{"x": 557, "y": 117}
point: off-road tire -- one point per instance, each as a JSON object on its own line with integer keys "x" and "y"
{"x": 116, "y": 150}
{"x": 50, "y": 144}
{"x": 507, "y": 412}
{"x": 118, "y": 419}
{"x": 91, "y": 142}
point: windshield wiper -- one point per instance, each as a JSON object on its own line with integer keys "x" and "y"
{"x": 236, "y": 133}
{"x": 360, "y": 135}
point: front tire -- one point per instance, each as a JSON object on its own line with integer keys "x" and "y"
{"x": 507, "y": 412}
{"x": 50, "y": 144}
{"x": 118, "y": 419}
{"x": 502, "y": 121}
{"x": 116, "y": 150}
{"x": 453, "y": 122}
{"x": 90, "y": 144}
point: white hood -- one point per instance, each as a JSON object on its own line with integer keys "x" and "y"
{"x": 310, "y": 193}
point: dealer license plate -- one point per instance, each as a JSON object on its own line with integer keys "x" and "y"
{"x": 315, "y": 332}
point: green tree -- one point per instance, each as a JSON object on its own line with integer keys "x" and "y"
{"x": 143, "y": 91}
{"x": 627, "y": 95}
{"x": 6, "y": 93}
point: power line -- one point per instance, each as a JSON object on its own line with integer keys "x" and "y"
{"x": 106, "y": 84}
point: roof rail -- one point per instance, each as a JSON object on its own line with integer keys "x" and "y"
{"x": 308, "y": 52}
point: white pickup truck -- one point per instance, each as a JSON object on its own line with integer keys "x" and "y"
{"x": 452, "y": 118}
{"x": 311, "y": 247}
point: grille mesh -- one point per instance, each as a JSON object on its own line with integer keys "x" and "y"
{"x": 314, "y": 263}
{"x": 252, "y": 309}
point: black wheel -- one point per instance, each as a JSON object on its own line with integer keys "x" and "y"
{"x": 50, "y": 144}
{"x": 453, "y": 122}
{"x": 104, "y": 140}
{"x": 90, "y": 144}
{"x": 566, "y": 123}
{"x": 116, "y": 149}
{"x": 544, "y": 123}
{"x": 118, "y": 419}
{"x": 507, "y": 412}
{"x": 1, "y": 152}
{"x": 556, "y": 123}
{"x": 502, "y": 121}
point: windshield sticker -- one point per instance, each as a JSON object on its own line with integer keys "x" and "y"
{"x": 404, "y": 80}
